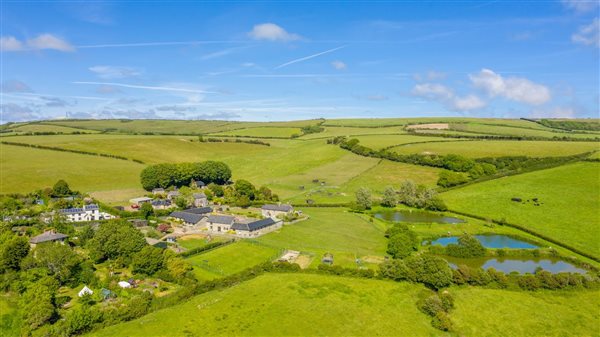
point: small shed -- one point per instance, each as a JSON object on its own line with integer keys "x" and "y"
{"x": 327, "y": 259}
{"x": 107, "y": 294}
{"x": 124, "y": 284}
{"x": 85, "y": 291}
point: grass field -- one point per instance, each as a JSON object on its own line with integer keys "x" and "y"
{"x": 495, "y": 148}
{"x": 537, "y": 131}
{"x": 490, "y": 312}
{"x": 346, "y": 235}
{"x": 285, "y": 305}
{"x": 27, "y": 169}
{"x": 276, "y": 132}
{"x": 47, "y": 128}
{"x": 331, "y": 131}
{"x": 10, "y": 317}
{"x": 196, "y": 241}
{"x": 380, "y": 141}
{"x": 172, "y": 126}
{"x": 569, "y": 197}
{"x": 231, "y": 259}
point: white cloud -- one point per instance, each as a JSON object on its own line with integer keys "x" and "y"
{"x": 10, "y": 43}
{"x": 431, "y": 75}
{"x": 446, "y": 96}
{"x": 339, "y": 65}
{"x": 49, "y": 41}
{"x": 308, "y": 57}
{"x": 513, "y": 88}
{"x": 147, "y": 87}
{"x": 580, "y": 6}
{"x": 112, "y": 72}
{"x": 433, "y": 91}
{"x": 15, "y": 86}
{"x": 469, "y": 102}
{"x": 588, "y": 35}
{"x": 271, "y": 32}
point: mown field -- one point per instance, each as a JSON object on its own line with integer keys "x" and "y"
{"x": 284, "y": 305}
{"x": 274, "y": 132}
{"x": 491, "y": 312}
{"x": 569, "y": 209}
{"x": 27, "y": 169}
{"x": 231, "y": 259}
{"x": 495, "y": 148}
{"x": 344, "y": 234}
{"x": 172, "y": 126}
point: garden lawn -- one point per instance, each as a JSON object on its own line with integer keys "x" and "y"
{"x": 291, "y": 304}
{"x": 491, "y": 312}
{"x": 231, "y": 259}
{"x": 27, "y": 169}
{"x": 569, "y": 203}
{"x": 344, "y": 234}
{"x": 481, "y": 149}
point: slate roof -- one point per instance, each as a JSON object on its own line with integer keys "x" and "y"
{"x": 85, "y": 208}
{"x": 253, "y": 226}
{"x": 199, "y": 196}
{"x": 174, "y": 193}
{"x": 161, "y": 202}
{"x": 222, "y": 219}
{"x": 278, "y": 208}
{"x": 187, "y": 217}
{"x": 48, "y": 236}
{"x": 200, "y": 210}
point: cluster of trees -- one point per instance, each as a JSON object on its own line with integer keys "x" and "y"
{"x": 182, "y": 174}
{"x": 430, "y": 270}
{"x": 438, "y": 306}
{"x": 401, "y": 241}
{"x": 243, "y": 193}
{"x": 570, "y": 125}
{"x": 468, "y": 246}
{"x": 419, "y": 196}
{"x": 37, "y": 274}
{"x": 229, "y": 140}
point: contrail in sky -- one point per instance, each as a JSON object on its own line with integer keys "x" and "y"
{"x": 302, "y": 59}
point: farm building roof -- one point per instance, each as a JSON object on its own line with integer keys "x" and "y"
{"x": 48, "y": 236}
{"x": 187, "y": 217}
{"x": 253, "y": 226}
{"x": 85, "y": 208}
{"x": 278, "y": 208}
{"x": 199, "y": 196}
{"x": 200, "y": 210}
{"x": 139, "y": 200}
{"x": 222, "y": 219}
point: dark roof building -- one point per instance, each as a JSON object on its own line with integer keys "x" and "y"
{"x": 48, "y": 236}
{"x": 200, "y": 210}
{"x": 161, "y": 202}
{"x": 253, "y": 226}
{"x": 199, "y": 196}
{"x": 278, "y": 208}
{"x": 221, "y": 219}
{"x": 186, "y": 217}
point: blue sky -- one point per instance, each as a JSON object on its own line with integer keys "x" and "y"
{"x": 299, "y": 60}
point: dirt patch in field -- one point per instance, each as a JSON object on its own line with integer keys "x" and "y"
{"x": 193, "y": 237}
{"x": 373, "y": 259}
{"x": 432, "y": 126}
{"x": 303, "y": 261}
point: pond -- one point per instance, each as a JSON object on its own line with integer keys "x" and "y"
{"x": 520, "y": 265}
{"x": 489, "y": 241}
{"x": 416, "y": 216}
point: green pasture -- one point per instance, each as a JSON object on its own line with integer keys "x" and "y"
{"x": 275, "y": 132}
{"x": 291, "y": 304}
{"x": 231, "y": 259}
{"x": 491, "y": 312}
{"x": 382, "y": 141}
{"x": 36, "y": 127}
{"x": 499, "y": 148}
{"x": 335, "y": 131}
{"x": 537, "y": 131}
{"x": 568, "y": 211}
{"x": 27, "y": 169}
{"x": 10, "y": 317}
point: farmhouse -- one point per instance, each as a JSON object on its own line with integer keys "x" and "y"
{"x": 156, "y": 191}
{"x": 198, "y": 184}
{"x": 173, "y": 195}
{"x": 200, "y": 200}
{"x": 48, "y": 236}
{"x": 256, "y": 228}
{"x": 87, "y": 213}
{"x": 220, "y": 223}
{"x": 192, "y": 216}
{"x": 161, "y": 204}
{"x": 139, "y": 201}
{"x": 272, "y": 210}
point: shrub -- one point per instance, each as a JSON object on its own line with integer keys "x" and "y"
{"x": 442, "y": 321}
